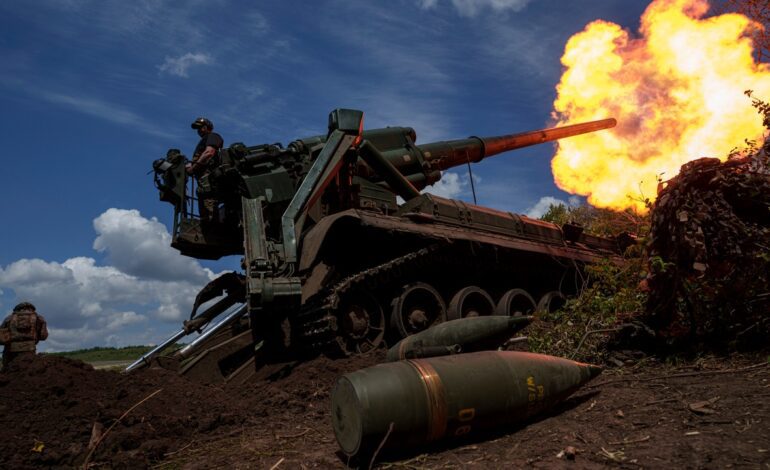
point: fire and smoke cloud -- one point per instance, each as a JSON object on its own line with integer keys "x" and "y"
{"x": 676, "y": 91}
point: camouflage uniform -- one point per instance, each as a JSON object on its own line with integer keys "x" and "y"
{"x": 21, "y": 331}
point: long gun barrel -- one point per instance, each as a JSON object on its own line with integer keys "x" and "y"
{"x": 452, "y": 153}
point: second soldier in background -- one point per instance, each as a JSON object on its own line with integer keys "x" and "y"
{"x": 21, "y": 331}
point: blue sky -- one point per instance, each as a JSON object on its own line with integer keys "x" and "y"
{"x": 92, "y": 91}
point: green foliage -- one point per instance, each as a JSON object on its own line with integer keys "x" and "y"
{"x": 98, "y": 354}
{"x": 600, "y": 222}
{"x": 762, "y": 107}
{"x": 557, "y": 214}
{"x": 611, "y": 295}
{"x": 582, "y": 328}
{"x": 752, "y": 147}
{"x": 658, "y": 265}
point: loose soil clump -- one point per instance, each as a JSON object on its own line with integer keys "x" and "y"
{"x": 707, "y": 414}
{"x": 53, "y": 405}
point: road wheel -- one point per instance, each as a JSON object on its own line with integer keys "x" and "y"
{"x": 417, "y": 307}
{"x": 471, "y": 301}
{"x": 361, "y": 323}
{"x": 515, "y": 303}
{"x": 551, "y": 301}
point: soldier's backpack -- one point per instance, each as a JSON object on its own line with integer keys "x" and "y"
{"x": 23, "y": 326}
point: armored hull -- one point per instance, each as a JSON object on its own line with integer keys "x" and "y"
{"x": 436, "y": 259}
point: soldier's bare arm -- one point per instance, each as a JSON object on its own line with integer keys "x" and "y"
{"x": 199, "y": 163}
{"x": 207, "y": 155}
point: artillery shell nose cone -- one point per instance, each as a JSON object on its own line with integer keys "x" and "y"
{"x": 594, "y": 370}
{"x": 523, "y": 320}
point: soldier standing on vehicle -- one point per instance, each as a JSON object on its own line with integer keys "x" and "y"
{"x": 205, "y": 158}
{"x": 21, "y": 331}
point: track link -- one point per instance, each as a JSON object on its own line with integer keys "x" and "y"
{"x": 318, "y": 323}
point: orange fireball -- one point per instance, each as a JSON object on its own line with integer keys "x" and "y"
{"x": 676, "y": 91}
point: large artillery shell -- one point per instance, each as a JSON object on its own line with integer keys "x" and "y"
{"x": 418, "y": 401}
{"x": 472, "y": 334}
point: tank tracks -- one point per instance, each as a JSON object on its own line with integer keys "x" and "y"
{"x": 318, "y": 324}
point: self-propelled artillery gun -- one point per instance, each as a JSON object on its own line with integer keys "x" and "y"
{"x": 341, "y": 250}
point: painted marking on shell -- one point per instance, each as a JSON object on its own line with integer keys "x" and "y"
{"x": 535, "y": 395}
{"x": 464, "y": 416}
{"x": 463, "y": 430}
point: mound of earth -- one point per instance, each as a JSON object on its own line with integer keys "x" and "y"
{"x": 54, "y": 405}
{"x": 51, "y": 408}
{"x": 705, "y": 414}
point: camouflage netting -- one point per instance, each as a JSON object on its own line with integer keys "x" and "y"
{"x": 710, "y": 253}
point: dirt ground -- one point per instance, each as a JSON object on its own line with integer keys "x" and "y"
{"x": 705, "y": 413}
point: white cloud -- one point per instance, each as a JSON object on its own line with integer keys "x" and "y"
{"x": 121, "y": 319}
{"x": 156, "y": 23}
{"x": 170, "y": 312}
{"x": 147, "y": 284}
{"x": 100, "y": 109}
{"x": 449, "y": 186}
{"x": 472, "y": 7}
{"x": 179, "y": 65}
{"x": 141, "y": 247}
{"x": 36, "y": 270}
{"x": 256, "y": 23}
{"x": 542, "y": 206}
{"x": 70, "y": 339}
{"x": 452, "y": 186}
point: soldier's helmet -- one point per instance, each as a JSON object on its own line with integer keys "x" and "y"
{"x": 24, "y": 307}
{"x": 200, "y": 122}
